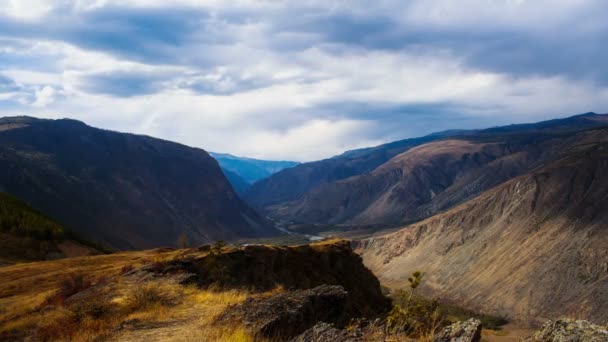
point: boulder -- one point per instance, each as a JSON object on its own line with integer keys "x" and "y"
{"x": 568, "y": 330}
{"x": 288, "y": 314}
{"x": 465, "y": 331}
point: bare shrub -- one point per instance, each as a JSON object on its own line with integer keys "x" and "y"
{"x": 146, "y": 295}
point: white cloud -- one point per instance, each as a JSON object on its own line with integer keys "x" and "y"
{"x": 235, "y": 88}
{"x": 44, "y": 96}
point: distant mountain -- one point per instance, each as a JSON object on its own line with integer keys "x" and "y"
{"x": 123, "y": 190}
{"x": 238, "y": 184}
{"x": 29, "y": 235}
{"x": 247, "y": 169}
{"x": 289, "y": 184}
{"x": 531, "y": 248}
{"x": 412, "y": 179}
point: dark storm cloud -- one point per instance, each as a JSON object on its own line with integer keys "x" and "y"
{"x": 147, "y": 35}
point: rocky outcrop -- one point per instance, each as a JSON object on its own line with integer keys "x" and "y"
{"x": 465, "y": 331}
{"x": 288, "y": 314}
{"x": 568, "y": 330}
{"x": 262, "y": 268}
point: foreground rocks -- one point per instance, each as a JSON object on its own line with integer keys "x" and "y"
{"x": 288, "y": 314}
{"x": 466, "y": 331}
{"x": 322, "y": 332}
{"x": 567, "y": 330}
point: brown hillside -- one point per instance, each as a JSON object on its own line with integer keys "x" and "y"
{"x": 535, "y": 247}
{"x": 187, "y": 295}
{"x": 429, "y": 179}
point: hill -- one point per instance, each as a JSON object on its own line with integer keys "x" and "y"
{"x": 533, "y": 248}
{"x": 122, "y": 190}
{"x": 28, "y": 235}
{"x": 189, "y": 294}
{"x": 289, "y": 184}
{"x": 433, "y": 176}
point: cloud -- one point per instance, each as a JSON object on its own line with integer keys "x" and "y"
{"x": 45, "y": 96}
{"x": 302, "y": 80}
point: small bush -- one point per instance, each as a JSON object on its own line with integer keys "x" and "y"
{"x": 146, "y": 295}
{"x": 95, "y": 308}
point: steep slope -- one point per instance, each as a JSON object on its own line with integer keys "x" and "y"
{"x": 249, "y": 169}
{"x": 435, "y": 176}
{"x": 238, "y": 184}
{"x": 123, "y": 190}
{"x": 287, "y": 185}
{"x": 28, "y": 235}
{"x": 535, "y": 247}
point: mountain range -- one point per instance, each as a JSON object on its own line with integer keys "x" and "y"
{"x": 243, "y": 172}
{"x": 122, "y": 190}
{"x": 410, "y": 180}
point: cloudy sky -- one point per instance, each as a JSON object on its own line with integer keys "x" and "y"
{"x": 301, "y": 80}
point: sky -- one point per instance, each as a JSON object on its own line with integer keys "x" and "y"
{"x": 301, "y": 80}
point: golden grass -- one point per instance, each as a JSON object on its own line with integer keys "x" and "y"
{"x": 25, "y": 288}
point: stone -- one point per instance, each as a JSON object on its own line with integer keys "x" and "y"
{"x": 568, "y": 330}
{"x": 465, "y": 331}
{"x": 288, "y": 314}
{"x": 323, "y": 332}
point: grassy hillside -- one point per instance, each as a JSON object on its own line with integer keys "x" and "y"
{"x": 168, "y": 294}
{"x": 28, "y": 235}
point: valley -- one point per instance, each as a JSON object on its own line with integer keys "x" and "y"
{"x": 505, "y": 227}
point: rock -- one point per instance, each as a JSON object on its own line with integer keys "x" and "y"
{"x": 466, "y": 331}
{"x": 568, "y": 330}
{"x": 323, "y": 332}
{"x": 289, "y": 314}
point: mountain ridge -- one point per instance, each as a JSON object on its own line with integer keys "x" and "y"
{"x": 377, "y": 196}
{"x": 126, "y": 190}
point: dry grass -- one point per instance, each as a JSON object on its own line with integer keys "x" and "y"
{"x": 35, "y": 302}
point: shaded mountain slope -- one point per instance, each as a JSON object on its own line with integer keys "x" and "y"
{"x": 124, "y": 190}
{"x": 534, "y": 247}
{"x": 435, "y": 176}
{"x": 238, "y": 184}
{"x": 28, "y": 235}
